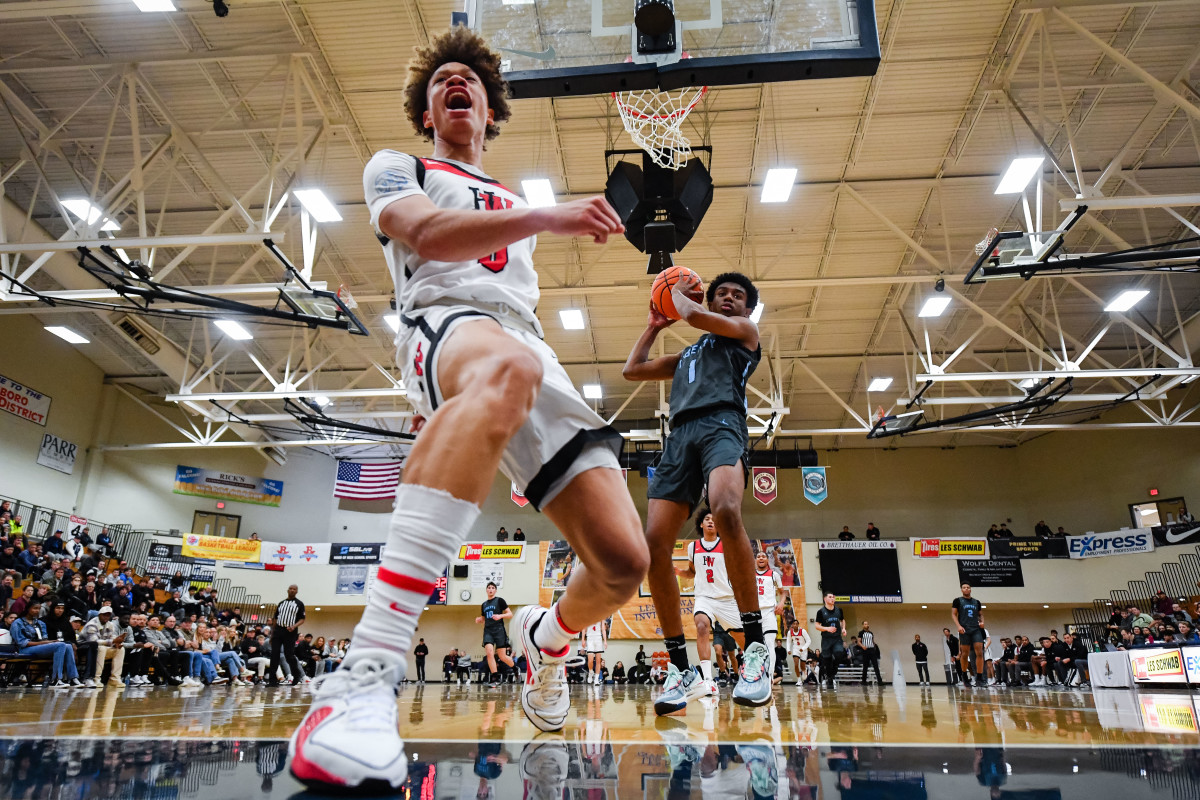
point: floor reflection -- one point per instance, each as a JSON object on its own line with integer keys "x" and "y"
{"x": 683, "y": 765}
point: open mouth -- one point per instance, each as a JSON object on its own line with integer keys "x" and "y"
{"x": 458, "y": 99}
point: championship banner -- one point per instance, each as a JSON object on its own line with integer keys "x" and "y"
{"x": 518, "y": 496}
{"x": 199, "y": 482}
{"x": 24, "y": 402}
{"x": 637, "y": 619}
{"x": 221, "y": 548}
{"x": 766, "y": 487}
{"x": 1187, "y": 532}
{"x": 997, "y": 572}
{"x": 949, "y": 548}
{"x": 58, "y": 454}
{"x": 498, "y": 551}
{"x": 815, "y": 487}
{"x": 1157, "y": 665}
{"x": 1113, "y": 543}
{"x": 1035, "y": 547}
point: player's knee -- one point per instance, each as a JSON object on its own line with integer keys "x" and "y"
{"x": 626, "y": 569}
{"x": 727, "y": 514}
{"x": 703, "y": 628}
{"x": 509, "y": 389}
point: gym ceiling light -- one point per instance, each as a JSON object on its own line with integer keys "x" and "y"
{"x": 318, "y": 205}
{"x": 538, "y": 193}
{"x": 1018, "y": 175}
{"x": 777, "y": 187}
{"x": 1126, "y": 300}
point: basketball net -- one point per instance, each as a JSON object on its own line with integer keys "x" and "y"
{"x": 980, "y": 247}
{"x": 653, "y": 120}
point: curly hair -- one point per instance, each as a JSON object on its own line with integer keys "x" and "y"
{"x": 464, "y": 46}
{"x": 733, "y": 277}
{"x": 704, "y": 512}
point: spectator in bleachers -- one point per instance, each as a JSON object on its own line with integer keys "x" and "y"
{"x": 54, "y": 544}
{"x": 161, "y": 656}
{"x": 21, "y": 603}
{"x": 1079, "y": 653}
{"x": 7, "y": 587}
{"x": 120, "y": 601}
{"x": 873, "y": 533}
{"x": 518, "y": 535}
{"x": 334, "y": 653}
{"x": 304, "y": 656}
{"x": 1042, "y": 529}
{"x": 8, "y": 559}
{"x": 28, "y": 561}
{"x": 845, "y": 535}
{"x": 1060, "y": 533}
{"x": 502, "y": 535}
{"x": 53, "y": 578}
{"x": 177, "y": 581}
{"x": 104, "y": 632}
{"x": 1005, "y": 533}
{"x": 214, "y": 647}
{"x": 1187, "y": 634}
{"x": 58, "y": 623}
{"x": 1060, "y": 657}
{"x": 1139, "y": 618}
{"x": 30, "y": 636}
{"x": 75, "y": 549}
{"x": 1162, "y": 603}
{"x": 43, "y": 597}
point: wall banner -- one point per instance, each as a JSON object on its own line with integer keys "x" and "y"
{"x": 355, "y": 553}
{"x": 1029, "y": 547}
{"x": 950, "y": 548}
{"x": 351, "y": 579}
{"x": 498, "y": 551}
{"x": 1113, "y": 543}
{"x": 1187, "y": 532}
{"x": 1001, "y": 572}
{"x": 57, "y": 453}
{"x": 766, "y": 487}
{"x": 816, "y": 489}
{"x": 199, "y": 482}
{"x": 221, "y": 548}
{"x": 24, "y": 402}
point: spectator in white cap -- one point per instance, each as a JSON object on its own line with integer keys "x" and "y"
{"x": 103, "y": 632}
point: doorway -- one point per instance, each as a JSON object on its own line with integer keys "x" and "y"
{"x": 1158, "y": 512}
{"x": 209, "y": 523}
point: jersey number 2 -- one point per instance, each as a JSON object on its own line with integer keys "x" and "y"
{"x": 710, "y": 575}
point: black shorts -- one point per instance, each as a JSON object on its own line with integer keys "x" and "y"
{"x": 725, "y": 639}
{"x": 693, "y": 450}
{"x": 497, "y": 638}
{"x": 833, "y": 647}
{"x": 971, "y": 637}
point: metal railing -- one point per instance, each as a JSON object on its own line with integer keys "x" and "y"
{"x": 1177, "y": 578}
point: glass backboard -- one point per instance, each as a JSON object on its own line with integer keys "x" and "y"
{"x": 554, "y": 48}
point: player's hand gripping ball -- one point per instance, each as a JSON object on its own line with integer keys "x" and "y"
{"x": 664, "y": 282}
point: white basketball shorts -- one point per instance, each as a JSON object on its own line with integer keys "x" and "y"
{"x": 720, "y": 609}
{"x": 563, "y": 437}
{"x": 595, "y": 644}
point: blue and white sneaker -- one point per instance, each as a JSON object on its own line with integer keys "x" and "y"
{"x": 764, "y": 771}
{"x": 678, "y": 688}
{"x": 754, "y": 682}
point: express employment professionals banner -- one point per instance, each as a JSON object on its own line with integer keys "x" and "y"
{"x": 227, "y": 486}
{"x": 1112, "y": 543}
{"x": 23, "y": 401}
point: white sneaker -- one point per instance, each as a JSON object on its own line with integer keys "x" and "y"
{"x": 350, "y": 738}
{"x": 544, "y": 764}
{"x": 60, "y": 685}
{"x": 77, "y": 684}
{"x": 713, "y": 690}
{"x": 91, "y": 683}
{"x": 191, "y": 681}
{"x": 218, "y": 680}
{"x": 544, "y": 697}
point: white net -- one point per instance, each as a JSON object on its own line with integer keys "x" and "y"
{"x": 654, "y": 121}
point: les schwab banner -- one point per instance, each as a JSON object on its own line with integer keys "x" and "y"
{"x": 221, "y": 548}
{"x": 478, "y": 551}
{"x": 949, "y": 548}
{"x": 1157, "y": 665}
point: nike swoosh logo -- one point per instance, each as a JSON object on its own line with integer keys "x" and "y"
{"x": 545, "y": 55}
{"x": 394, "y": 606}
{"x": 1178, "y": 536}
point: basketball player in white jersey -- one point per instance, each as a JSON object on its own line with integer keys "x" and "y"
{"x": 714, "y": 602}
{"x": 595, "y": 642}
{"x": 770, "y": 602}
{"x": 491, "y": 395}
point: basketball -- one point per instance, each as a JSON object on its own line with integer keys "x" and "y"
{"x": 660, "y": 292}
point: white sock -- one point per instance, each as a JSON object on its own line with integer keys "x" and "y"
{"x": 705, "y": 668}
{"x": 551, "y": 636}
{"x": 426, "y": 529}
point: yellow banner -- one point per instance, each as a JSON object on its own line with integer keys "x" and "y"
{"x": 221, "y": 548}
{"x": 949, "y": 548}
{"x": 477, "y": 551}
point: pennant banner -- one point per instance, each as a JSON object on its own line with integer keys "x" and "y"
{"x": 518, "y": 496}
{"x": 766, "y": 487}
{"x": 815, "y": 487}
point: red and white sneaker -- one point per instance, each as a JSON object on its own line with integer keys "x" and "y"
{"x": 544, "y": 697}
{"x": 350, "y": 739}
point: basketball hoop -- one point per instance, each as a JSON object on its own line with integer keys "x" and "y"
{"x": 980, "y": 247}
{"x": 653, "y": 120}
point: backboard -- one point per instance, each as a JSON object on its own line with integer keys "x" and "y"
{"x": 554, "y": 48}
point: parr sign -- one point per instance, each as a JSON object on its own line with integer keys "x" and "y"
{"x": 949, "y": 548}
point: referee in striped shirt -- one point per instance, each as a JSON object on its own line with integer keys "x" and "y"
{"x": 289, "y": 615}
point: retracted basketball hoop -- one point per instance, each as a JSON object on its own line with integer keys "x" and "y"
{"x": 654, "y": 121}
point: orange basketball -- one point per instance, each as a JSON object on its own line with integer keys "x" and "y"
{"x": 660, "y": 292}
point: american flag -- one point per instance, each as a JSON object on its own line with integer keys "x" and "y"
{"x": 367, "y": 481}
